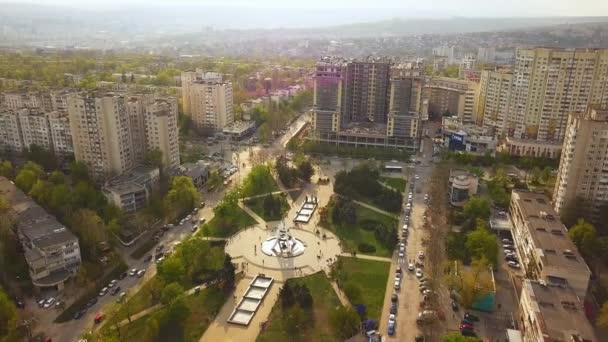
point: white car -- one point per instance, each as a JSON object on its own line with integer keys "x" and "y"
{"x": 49, "y": 302}
{"x": 112, "y": 283}
{"x": 513, "y": 264}
{"x": 140, "y": 273}
{"x": 410, "y": 267}
{"x": 103, "y": 292}
{"x": 133, "y": 272}
{"x": 419, "y": 273}
{"x": 398, "y": 276}
{"x": 391, "y": 318}
{"x": 417, "y": 177}
{"x": 401, "y": 254}
{"x": 397, "y": 284}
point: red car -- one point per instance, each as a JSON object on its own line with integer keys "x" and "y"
{"x": 466, "y": 326}
{"x": 99, "y": 317}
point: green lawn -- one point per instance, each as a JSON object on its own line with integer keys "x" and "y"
{"x": 226, "y": 226}
{"x": 370, "y": 276}
{"x": 324, "y": 299}
{"x": 395, "y": 183}
{"x": 351, "y": 236}
{"x": 203, "y": 308}
{"x": 257, "y": 205}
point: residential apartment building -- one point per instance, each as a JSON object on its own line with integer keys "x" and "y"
{"x": 101, "y": 132}
{"x": 549, "y": 313}
{"x": 131, "y": 190}
{"x": 51, "y": 251}
{"x": 369, "y": 102}
{"x": 583, "y": 169}
{"x": 207, "y": 99}
{"x": 541, "y": 240}
{"x": 25, "y": 127}
{"x": 486, "y": 54}
{"x": 162, "y": 131}
{"x": 549, "y": 84}
{"x": 453, "y": 96}
{"x": 447, "y": 51}
{"x": 495, "y": 100}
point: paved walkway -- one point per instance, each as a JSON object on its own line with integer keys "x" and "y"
{"x": 365, "y": 256}
{"x": 153, "y": 308}
{"x": 212, "y": 238}
{"x": 251, "y": 213}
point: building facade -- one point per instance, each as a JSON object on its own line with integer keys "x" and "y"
{"x": 207, "y": 99}
{"x": 550, "y": 313}
{"x": 494, "y": 100}
{"x": 101, "y": 132}
{"x": 583, "y": 173}
{"x": 51, "y": 251}
{"x": 451, "y": 96}
{"x": 542, "y": 243}
{"x": 549, "y": 84}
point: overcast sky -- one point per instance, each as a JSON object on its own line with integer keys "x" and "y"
{"x": 467, "y": 8}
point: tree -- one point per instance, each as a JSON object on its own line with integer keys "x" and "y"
{"x": 123, "y": 78}
{"x": 475, "y": 208}
{"x": 57, "y": 177}
{"x": 91, "y": 231}
{"x": 482, "y": 244}
{"x": 458, "y": 337}
{"x": 214, "y": 180}
{"x": 228, "y": 274}
{"x": 344, "y": 321}
{"x": 8, "y": 318}
{"x": 6, "y": 169}
{"x": 170, "y": 293}
{"x": 306, "y": 171}
{"x": 584, "y": 236}
{"x": 183, "y": 195}
{"x": 26, "y": 179}
{"x": 172, "y": 270}
{"x": 602, "y": 318}
{"x": 154, "y": 158}
{"x": 132, "y": 80}
{"x": 79, "y": 171}
{"x": 473, "y": 282}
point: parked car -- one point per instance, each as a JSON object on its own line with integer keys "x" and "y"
{"x": 513, "y": 264}
{"x": 99, "y": 317}
{"x": 471, "y": 317}
{"x": 148, "y": 258}
{"x": 394, "y": 298}
{"x": 455, "y": 306}
{"x": 391, "y": 328}
{"x": 465, "y": 326}
{"x": 140, "y": 273}
{"x": 393, "y": 309}
{"x": 419, "y": 273}
{"x": 507, "y": 241}
{"x": 78, "y": 315}
{"x": 112, "y": 283}
{"x": 194, "y": 228}
{"x": 49, "y": 302}
{"x": 426, "y": 316}
{"x": 133, "y": 272}
{"x": 397, "y": 284}
{"x": 115, "y": 291}
{"x": 103, "y": 292}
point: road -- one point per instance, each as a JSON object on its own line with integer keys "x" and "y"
{"x": 409, "y": 293}
{"x": 72, "y": 330}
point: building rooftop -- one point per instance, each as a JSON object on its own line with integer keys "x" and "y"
{"x": 559, "y": 311}
{"x": 131, "y": 181}
{"x": 549, "y": 235}
{"x": 238, "y": 127}
{"x": 34, "y": 223}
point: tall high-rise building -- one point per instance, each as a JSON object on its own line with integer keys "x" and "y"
{"x": 61, "y": 134}
{"x": 369, "y": 102}
{"x": 549, "y": 84}
{"x": 582, "y": 175}
{"x": 11, "y": 140}
{"x": 162, "y": 131}
{"x": 494, "y": 99}
{"x": 207, "y": 99}
{"x": 445, "y": 50}
{"x": 35, "y": 129}
{"x": 101, "y": 132}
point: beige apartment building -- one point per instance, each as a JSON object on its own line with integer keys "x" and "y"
{"x": 61, "y": 134}
{"x": 583, "y": 169}
{"x": 550, "y": 313}
{"x": 494, "y": 99}
{"x": 448, "y": 95}
{"x": 549, "y": 84}
{"x": 35, "y": 129}
{"x": 162, "y": 131}
{"x": 207, "y": 99}
{"x": 10, "y": 132}
{"x": 545, "y": 251}
{"x": 101, "y": 133}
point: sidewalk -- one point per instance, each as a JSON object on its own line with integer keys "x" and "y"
{"x": 368, "y": 257}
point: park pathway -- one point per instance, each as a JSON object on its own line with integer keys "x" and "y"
{"x": 365, "y": 256}
{"x": 153, "y": 308}
{"x": 251, "y": 213}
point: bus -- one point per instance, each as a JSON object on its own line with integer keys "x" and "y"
{"x": 393, "y": 168}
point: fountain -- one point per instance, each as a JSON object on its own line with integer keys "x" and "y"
{"x": 283, "y": 244}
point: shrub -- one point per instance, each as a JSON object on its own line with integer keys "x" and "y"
{"x": 366, "y": 248}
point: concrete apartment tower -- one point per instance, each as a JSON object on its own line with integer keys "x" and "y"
{"x": 582, "y": 168}
{"x": 549, "y": 84}
{"x": 207, "y": 99}
{"x": 101, "y": 132}
{"x": 495, "y": 99}
{"x": 162, "y": 131}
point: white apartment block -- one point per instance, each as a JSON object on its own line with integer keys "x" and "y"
{"x": 35, "y": 128}
{"x": 18, "y": 100}
{"x": 61, "y": 134}
{"x": 542, "y": 243}
{"x": 494, "y": 99}
{"x": 549, "y": 84}
{"x": 162, "y": 131}
{"x": 207, "y": 99}
{"x": 10, "y": 132}
{"x": 583, "y": 167}
{"x": 101, "y": 132}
